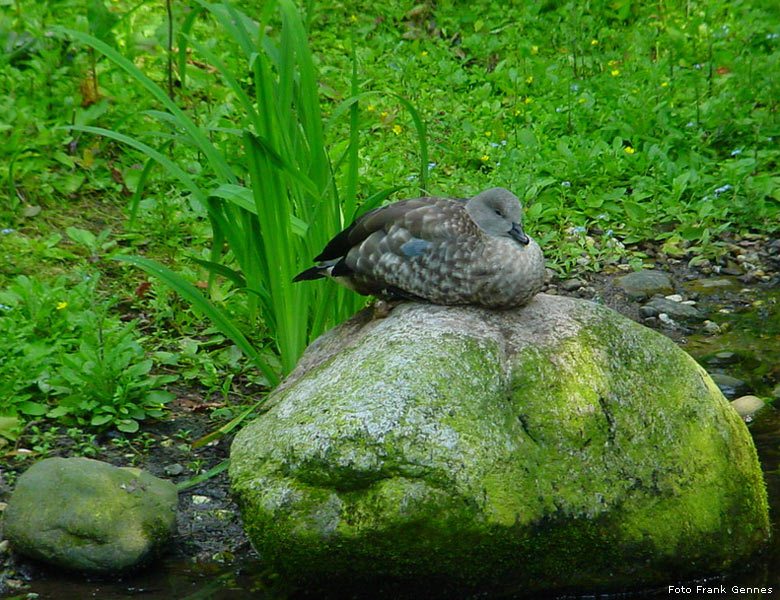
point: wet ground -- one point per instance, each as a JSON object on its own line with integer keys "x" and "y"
{"x": 210, "y": 558}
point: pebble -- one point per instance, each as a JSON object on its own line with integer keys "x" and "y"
{"x": 674, "y": 310}
{"x": 711, "y": 328}
{"x": 674, "y": 297}
{"x": 667, "y": 320}
{"x": 197, "y": 500}
{"x": 645, "y": 283}
{"x": 747, "y": 406}
{"x": 174, "y": 469}
{"x": 730, "y": 386}
{"x": 570, "y": 285}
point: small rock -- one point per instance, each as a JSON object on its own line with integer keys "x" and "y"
{"x": 570, "y": 285}
{"x": 674, "y": 297}
{"x": 747, "y": 406}
{"x": 710, "y": 285}
{"x": 730, "y": 386}
{"x": 675, "y": 310}
{"x": 776, "y": 392}
{"x": 549, "y": 275}
{"x": 645, "y": 283}
{"x": 174, "y": 469}
{"x": 667, "y": 321}
{"x": 711, "y": 328}
{"x": 87, "y": 515}
{"x": 689, "y": 302}
{"x": 197, "y": 500}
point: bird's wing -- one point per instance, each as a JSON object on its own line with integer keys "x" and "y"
{"x": 424, "y": 219}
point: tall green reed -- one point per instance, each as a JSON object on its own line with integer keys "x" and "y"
{"x": 291, "y": 204}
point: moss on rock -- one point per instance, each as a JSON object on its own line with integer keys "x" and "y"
{"x": 557, "y": 445}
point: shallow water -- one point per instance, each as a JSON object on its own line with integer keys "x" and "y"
{"x": 749, "y": 349}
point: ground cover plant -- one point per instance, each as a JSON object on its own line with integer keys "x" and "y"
{"x": 617, "y": 123}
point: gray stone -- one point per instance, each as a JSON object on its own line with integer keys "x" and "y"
{"x": 730, "y": 386}
{"x": 88, "y": 515}
{"x": 675, "y": 310}
{"x": 643, "y": 284}
{"x": 747, "y": 406}
{"x": 553, "y": 446}
{"x": 570, "y": 285}
{"x": 711, "y": 285}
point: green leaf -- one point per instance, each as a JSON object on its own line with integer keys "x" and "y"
{"x": 34, "y": 409}
{"x": 127, "y": 426}
{"x": 199, "y": 303}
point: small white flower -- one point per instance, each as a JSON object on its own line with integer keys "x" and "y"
{"x": 697, "y": 66}
{"x": 736, "y": 152}
{"x": 574, "y": 87}
{"x": 495, "y": 145}
{"x": 503, "y": 142}
{"x": 559, "y": 109}
{"x": 602, "y": 216}
{"x": 566, "y": 183}
{"x": 690, "y": 124}
{"x": 411, "y": 177}
{"x": 431, "y": 165}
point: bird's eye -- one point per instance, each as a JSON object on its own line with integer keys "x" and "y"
{"x": 498, "y": 212}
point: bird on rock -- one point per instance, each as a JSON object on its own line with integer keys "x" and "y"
{"x": 452, "y": 251}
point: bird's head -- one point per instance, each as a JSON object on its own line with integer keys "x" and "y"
{"x": 498, "y": 212}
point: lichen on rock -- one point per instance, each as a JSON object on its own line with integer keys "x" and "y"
{"x": 552, "y": 446}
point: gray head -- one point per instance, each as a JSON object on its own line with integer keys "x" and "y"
{"x": 498, "y": 212}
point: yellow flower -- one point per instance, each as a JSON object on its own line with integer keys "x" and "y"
{"x": 529, "y": 79}
{"x": 517, "y": 111}
{"x": 424, "y": 53}
{"x": 61, "y": 305}
{"x": 581, "y": 100}
{"x": 370, "y": 107}
{"x": 534, "y": 49}
{"x": 664, "y": 84}
{"x": 528, "y": 100}
{"x": 615, "y": 72}
{"x": 634, "y": 91}
{"x": 383, "y": 113}
{"x": 629, "y": 150}
{"x": 484, "y": 158}
{"x": 594, "y": 42}
{"x": 612, "y": 63}
{"x": 353, "y": 18}
{"x": 397, "y": 129}
{"x": 488, "y": 133}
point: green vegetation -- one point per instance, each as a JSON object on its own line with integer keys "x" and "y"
{"x": 223, "y": 164}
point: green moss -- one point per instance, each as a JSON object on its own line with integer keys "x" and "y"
{"x": 605, "y": 459}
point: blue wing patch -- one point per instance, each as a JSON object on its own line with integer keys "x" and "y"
{"x": 415, "y": 247}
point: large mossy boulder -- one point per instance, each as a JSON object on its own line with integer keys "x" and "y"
{"x": 558, "y": 445}
{"x": 87, "y": 515}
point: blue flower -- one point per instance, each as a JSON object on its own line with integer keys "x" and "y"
{"x": 736, "y": 152}
{"x": 566, "y": 183}
{"x": 431, "y": 165}
{"x": 6, "y": 231}
{"x": 722, "y": 189}
{"x": 609, "y": 233}
{"x": 579, "y": 229}
{"x": 4, "y": 307}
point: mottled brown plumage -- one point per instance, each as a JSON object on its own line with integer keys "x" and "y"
{"x": 440, "y": 250}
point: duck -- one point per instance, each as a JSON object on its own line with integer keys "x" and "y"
{"x": 448, "y": 251}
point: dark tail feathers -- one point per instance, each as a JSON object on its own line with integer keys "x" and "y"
{"x": 315, "y": 272}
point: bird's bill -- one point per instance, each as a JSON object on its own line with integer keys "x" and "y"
{"x": 517, "y": 233}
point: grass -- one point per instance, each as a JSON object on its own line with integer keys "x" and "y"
{"x": 618, "y": 124}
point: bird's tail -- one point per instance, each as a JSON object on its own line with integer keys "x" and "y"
{"x": 315, "y": 272}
